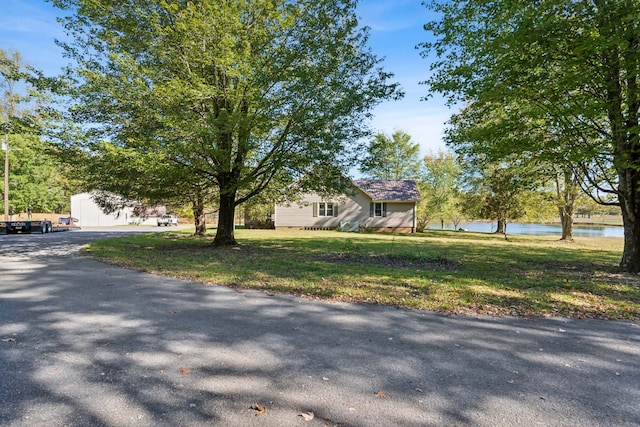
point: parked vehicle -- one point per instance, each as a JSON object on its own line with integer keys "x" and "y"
{"x": 28, "y": 226}
{"x": 167, "y": 220}
{"x": 32, "y": 226}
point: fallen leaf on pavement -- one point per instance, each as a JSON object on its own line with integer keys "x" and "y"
{"x": 381, "y": 394}
{"x": 184, "y": 371}
{"x": 261, "y": 409}
{"x": 307, "y": 416}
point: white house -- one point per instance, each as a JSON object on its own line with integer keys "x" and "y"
{"x": 373, "y": 204}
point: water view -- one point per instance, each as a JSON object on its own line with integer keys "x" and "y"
{"x": 541, "y": 229}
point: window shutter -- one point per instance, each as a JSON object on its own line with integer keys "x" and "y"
{"x": 371, "y": 208}
{"x": 315, "y": 209}
{"x": 335, "y": 209}
{"x": 384, "y": 209}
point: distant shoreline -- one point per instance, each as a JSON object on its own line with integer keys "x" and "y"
{"x": 613, "y": 222}
{"x": 608, "y": 224}
{"x": 610, "y": 221}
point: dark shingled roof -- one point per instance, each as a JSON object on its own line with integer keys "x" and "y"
{"x": 397, "y": 191}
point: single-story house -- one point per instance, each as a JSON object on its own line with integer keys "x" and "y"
{"x": 378, "y": 205}
{"x": 89, "y": 214}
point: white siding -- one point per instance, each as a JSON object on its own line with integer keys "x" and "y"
{"x": 89, "y": 213}
{"x": 398, "y": 215}
{"x": 300, "y": 214}
{"x": 352, "y": 209}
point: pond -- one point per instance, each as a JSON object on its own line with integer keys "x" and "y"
{"x": 541, "y": 229}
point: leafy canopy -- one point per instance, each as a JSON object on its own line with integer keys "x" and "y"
{"x": 392, "y": 157}
{"x": 567, "y": 70}
{"x": 241, "y": 93}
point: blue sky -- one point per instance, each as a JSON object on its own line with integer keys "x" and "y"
{"x": 30, "y": 27}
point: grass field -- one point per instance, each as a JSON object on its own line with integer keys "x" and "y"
{"x": 463, "y": 273}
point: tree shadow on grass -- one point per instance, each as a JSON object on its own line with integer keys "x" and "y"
{"x": 456, "y": 276}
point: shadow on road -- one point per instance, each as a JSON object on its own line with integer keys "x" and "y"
{"x": 84, "y": 343}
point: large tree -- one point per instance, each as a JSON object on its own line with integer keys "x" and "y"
{"x": 499, "y": 131}
{"x": 496, "y": 191}
{"x": 237, "y": 92}
{"x": 573, "y": 64}
{"x": 392, "y": 157}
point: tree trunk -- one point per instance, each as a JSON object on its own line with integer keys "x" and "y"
{"x": 630, "y": 204}
{"x": 456, "y": 222}
{"x": 565, "y": 210}
{"x": 567, "y": 193}
{"x": 630, "y": 262}
{"x": 567, "y": 225}
{"x": 625, "y": 134}
{"x": 500, "y": 229}
{"x": 198, "y": 217}
{"x": 225, "y": 234}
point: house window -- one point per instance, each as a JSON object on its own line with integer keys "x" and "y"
{"x": 325, "y": 209}
{"x": 378, "y": 209}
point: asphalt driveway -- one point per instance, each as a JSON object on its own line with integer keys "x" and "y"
{"x": 87, "y": 344}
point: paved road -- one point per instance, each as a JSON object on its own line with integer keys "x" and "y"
{"x": 88, "y": 344}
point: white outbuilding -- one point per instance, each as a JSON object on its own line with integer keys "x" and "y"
{"x": 89, "y": 214}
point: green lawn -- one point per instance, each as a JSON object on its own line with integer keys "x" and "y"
{"x": 437, "y": 270}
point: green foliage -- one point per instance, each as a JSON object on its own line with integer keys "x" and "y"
{"x": 36, "y": 180}
{"x": 235, "y": 95}
{"x": 586, "y": 207}
{"x": 149, "y": 178}
{"x": 488, "y": 132}
{"x": 439, "y": 185}
{"x": 554, "y": 80}
{"x": 392, "y": 158}
{"x": 258, "y": 214}
{"x": 539, "y": 206}
{"x": 498, "y": 191}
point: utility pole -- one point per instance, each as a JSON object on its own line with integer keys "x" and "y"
{"x": 5, "y": 147}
